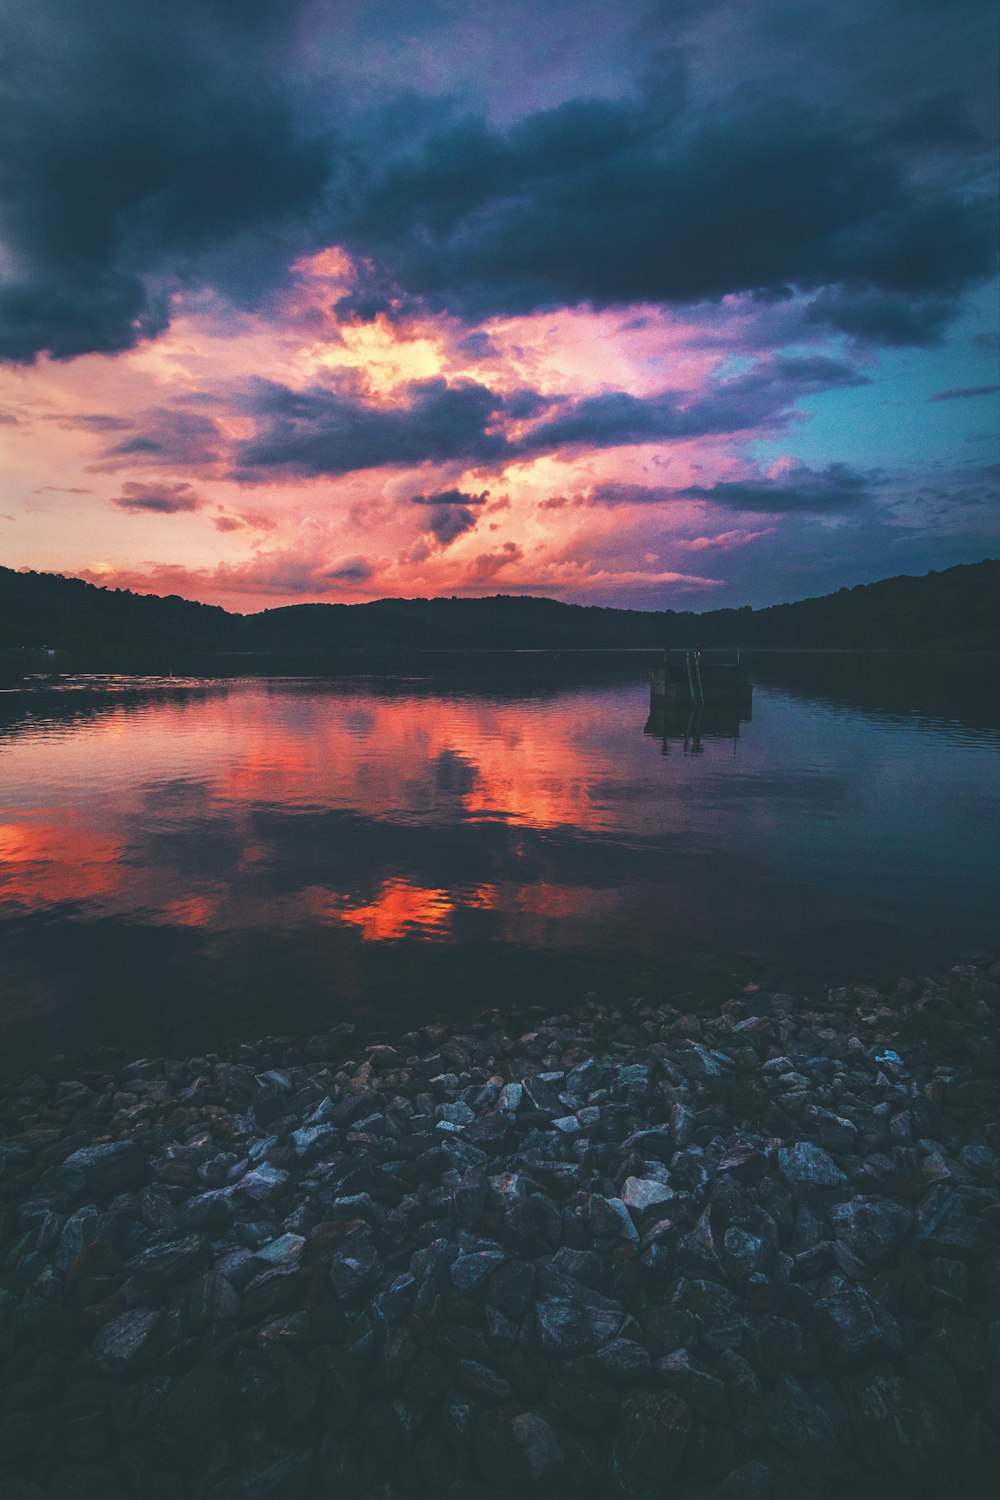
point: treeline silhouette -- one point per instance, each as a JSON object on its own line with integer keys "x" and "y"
{"x": 956, "y": 609}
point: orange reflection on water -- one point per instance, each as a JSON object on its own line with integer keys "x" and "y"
{"x": 42, "y": 862}
{"x": 399, "y": 908}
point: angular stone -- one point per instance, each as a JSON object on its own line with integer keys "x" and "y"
{"x": 470, "y": 1270}
{"x": 897, "y": 1433}
{"x": 796, "y": 1422}
{"x": 312, "y": 1140}
{"x": 124, "y": 1340}
{"x": 172, "y": 1260}
{"x": 100, "y": 1172}
{"x": 263, "y": 1184}
{"x": 652, "y": 1431}
{"x": 806, "y": 1165}
{"x": 643, "y": 1193}
{"x": 284, "y": 1251}
{"x": 567, "y": 1328}
{"x": 213, "y": 1299}
{"x": 854, "y": 1328}
{"x": 872, "y": 1229}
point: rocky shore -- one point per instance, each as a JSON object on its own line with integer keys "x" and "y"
{"x": 632, "y": 1252}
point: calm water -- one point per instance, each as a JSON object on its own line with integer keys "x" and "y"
{"x": 187, "y": 862}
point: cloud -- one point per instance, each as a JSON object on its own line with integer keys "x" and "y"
{"x": 322, "y": 431}
{"x": 173, "y": 143}
{"x": 350, "y": 570}
{"x": 246, "y": 520}
{"x": 489, "y": 564}
{"x": 319, "y": 431}
{"x": 161, "y": 499}
{"x": 963, "y": 391}
{"x": 450, "y": 497}
{"x": 141, "y": 142}
{"x": 833, "y": 489}
{"x": 164, "y": 436}
{"x": 660, "y": 200}
{"x": 448, "y": 522}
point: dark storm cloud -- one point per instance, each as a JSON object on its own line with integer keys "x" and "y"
{"x": 185, "y": 142}
{"x": 326, "y": 432}
{"x": 161, "y": 499}
{"x": 137, "y": 139}
{"x": 648, "y": 200}
{"x": 835, "y": 489}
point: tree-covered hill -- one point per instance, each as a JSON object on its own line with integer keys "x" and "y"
{"x": 957, "y": 609}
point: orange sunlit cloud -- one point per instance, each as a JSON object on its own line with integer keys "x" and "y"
{"x": 133, "y": 458}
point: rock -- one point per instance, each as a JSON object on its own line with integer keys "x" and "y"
{"x": 751, "y": 1481}
{"x": 263, "y": 1184}
{"x": 538, "y": 1447}
{"x": 796, "y": 1422}
{"x": 896, "y": 1433}
{"x": 568, "y": 1328}
{"x": 170, "y": 1260}
{"x": 806, "y": 1165}
{"x": 284, "y": 1251}
{"x": 123, "y": 1341}
{"x": 652, "y": 1430}
{"x": 99, "y": 1172}
{"x": 640, "y": 1194}
{"x": 469, "y": 1270}
{"x": 270, "y": 1475}
{"x": 854, "y": 1328}
{"x": 872, "y": 1229}
{"x": 213, "y": 1299}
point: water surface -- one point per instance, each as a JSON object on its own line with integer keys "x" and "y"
{"x": 190, "y": 861}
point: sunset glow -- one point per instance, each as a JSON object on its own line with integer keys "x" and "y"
{"x": 606, "y": 331}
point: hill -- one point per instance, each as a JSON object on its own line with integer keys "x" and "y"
{"x": 957, "y": 609}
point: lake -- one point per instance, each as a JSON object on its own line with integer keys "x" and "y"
{"x": 188, "y": 862}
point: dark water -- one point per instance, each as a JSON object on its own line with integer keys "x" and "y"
{"x": 183, "y": 863}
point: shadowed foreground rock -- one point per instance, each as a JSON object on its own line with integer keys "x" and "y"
{"x": 624, "y": 1252}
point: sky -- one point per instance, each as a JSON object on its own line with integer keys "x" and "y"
{"x": 650, "y": 303}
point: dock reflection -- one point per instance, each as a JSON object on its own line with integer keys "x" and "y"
{"x": 685, "y": 727}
